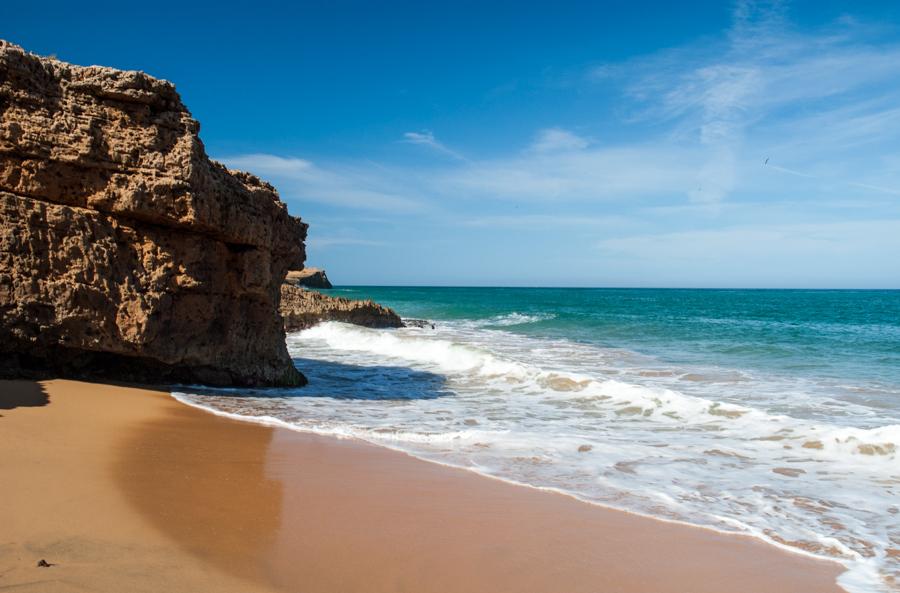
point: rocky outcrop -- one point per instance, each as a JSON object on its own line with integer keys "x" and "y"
{"x": 124, "y": 251}
{"x": 303, "y": 308}
{"x": 309, "y": 277}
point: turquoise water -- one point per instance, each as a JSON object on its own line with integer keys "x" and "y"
{"x": 839, "y": 334}
{"x": 773, "y": 413}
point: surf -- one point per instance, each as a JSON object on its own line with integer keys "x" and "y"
{"x": 804, "y": 460}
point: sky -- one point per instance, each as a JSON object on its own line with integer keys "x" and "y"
{"x": 704, "y": 144}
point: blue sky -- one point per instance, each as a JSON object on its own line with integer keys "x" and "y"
{"x": 516, "y": 143}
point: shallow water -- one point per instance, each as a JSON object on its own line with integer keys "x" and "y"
{"x": 774, "y": 413}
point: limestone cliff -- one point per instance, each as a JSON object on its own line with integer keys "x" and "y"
{"x": 303, "y": 308}
{"x": 124, "y": 250}
{"x": 309, "y": 277}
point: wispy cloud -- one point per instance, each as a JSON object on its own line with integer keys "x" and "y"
{"x": 764, "y": 90}
{"x": 669, "y": 177}
{"x": 534, "y": 221}
{"x": 790, "y": 171}
{"x": 577, "y": 175}
{"x": 717, "y": 112}
{"x": 878, "y": 188}
{"x": 558, "y": 140}
{"x": 426, "y": 138}
{"x": 361, "y": 186}
{"x": 707, "y": 115}
{"x": 322, "y": 242}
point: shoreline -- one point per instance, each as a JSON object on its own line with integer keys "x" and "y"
{"x": 278, "y": 424}
{"x": 200, "y": 501}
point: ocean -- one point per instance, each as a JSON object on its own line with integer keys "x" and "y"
{"x": 773, "y": 413}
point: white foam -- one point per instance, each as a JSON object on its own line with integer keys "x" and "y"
{"x": 756, "y": 455}
{"x": 449, "y": 356}
{"x": 625, "y": 399}
{"x": 515, "y": 318}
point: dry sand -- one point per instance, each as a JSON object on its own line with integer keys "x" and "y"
{"x": 125, "y": 489}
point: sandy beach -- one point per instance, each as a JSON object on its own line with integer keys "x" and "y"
{"x": 125, "y": 489}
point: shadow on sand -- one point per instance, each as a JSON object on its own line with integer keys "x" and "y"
{"x": 380, "y": 382}
{"x": 22, "y": 394}
{"x": 347, "y": 381}
{"x": 201, "y": 480}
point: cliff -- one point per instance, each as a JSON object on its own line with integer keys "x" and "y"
{"x": 309, "y": 277}
{"x": 125, "y": 251}
{"x": 303, "y": 308}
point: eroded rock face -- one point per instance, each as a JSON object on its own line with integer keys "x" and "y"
{"x": 303, "y": 308}
{"x": 309, "y": 277}
{"x": 124, "y": 251}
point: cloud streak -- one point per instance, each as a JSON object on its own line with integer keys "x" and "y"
{"x": 558, "y": 140}
{"x": 577, "y": 175}
{"x": 761, "y": 91}
{"x": 426, "y": 138}
{"x": 357, "y": 187}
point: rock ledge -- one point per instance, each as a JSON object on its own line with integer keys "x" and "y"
{"x": 309, "y": 277}
{"x": 303, "y": 308}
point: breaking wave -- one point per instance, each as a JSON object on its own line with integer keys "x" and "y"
{"x": 713, "y": 447}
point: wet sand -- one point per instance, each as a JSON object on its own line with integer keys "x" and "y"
{"x": 126, "y": 489}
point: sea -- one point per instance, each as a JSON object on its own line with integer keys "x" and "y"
{"x": 771, "y": 413}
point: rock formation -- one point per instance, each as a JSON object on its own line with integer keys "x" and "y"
{"x": 303, "y": 308}
{"x": 124, "y": 251}
{"x": 309, "y": 277}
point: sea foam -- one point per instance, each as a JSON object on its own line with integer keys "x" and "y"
{"x": 708, "y": 446}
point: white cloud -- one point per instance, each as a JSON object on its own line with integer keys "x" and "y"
{"x": 368, "y": 188}
{"x": 558, "y": 140}
{"x": 715, "y": 114}
{"x": 616, "y": 173}
{"x": 271, "y": 165}
{"x": 426, "y": 138}
{"x": 708, "y": 117}
{"x": 685, "y": 149}
{"x": 768, "y": 90}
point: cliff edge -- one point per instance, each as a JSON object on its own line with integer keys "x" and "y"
{"x": 309, "y": 277}
{"x": 125, "y": 252}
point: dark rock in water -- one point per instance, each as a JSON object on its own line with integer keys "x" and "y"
{"x": 584, "y": 448}
{"x": 308, "y": 277}
{"x": 303, "y": 308}
{"x": 422, "y": 323}
{"x": 125, "y": 252}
